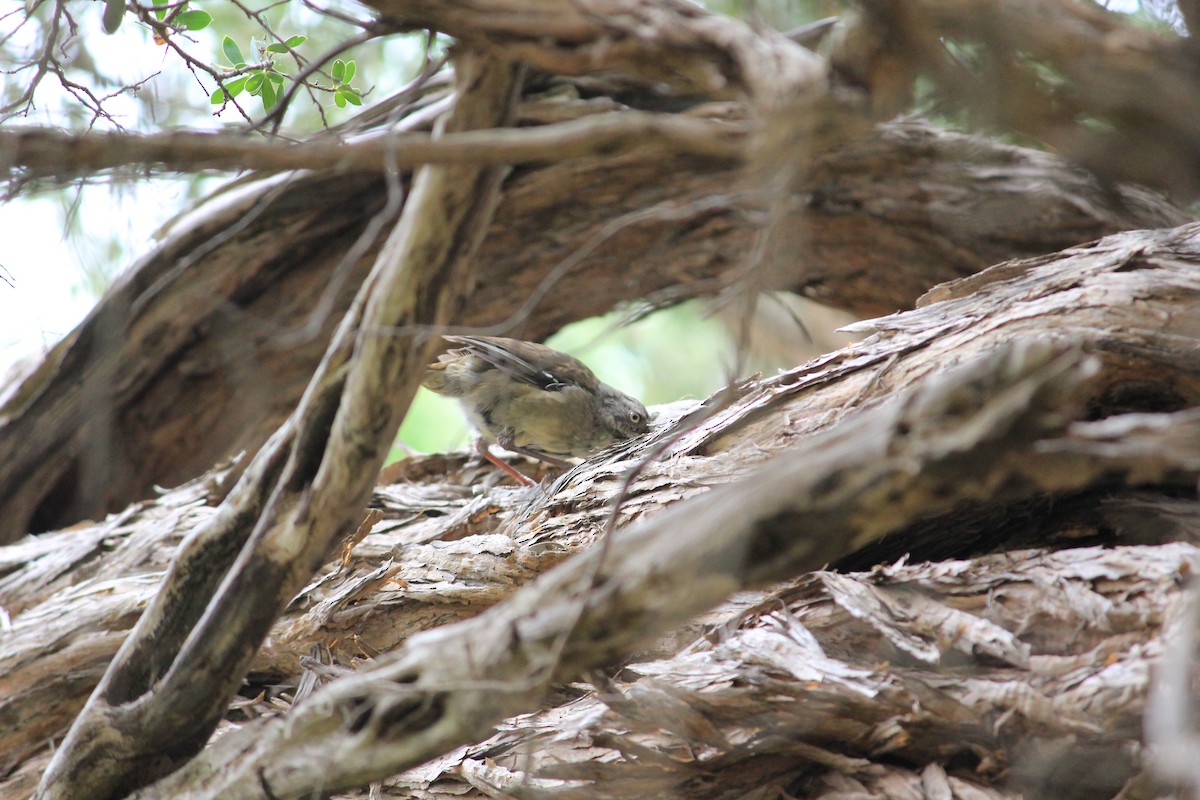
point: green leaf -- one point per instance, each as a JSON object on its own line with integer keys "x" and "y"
{"x": 277, "y": 47}
{"x": 338, "y": 71}
{"x": 232, "y": 52}
{"x": 352, "y": 96}
{"x": 114, "y": 12}
{"x": 276, "y": 79}
{"x": 340, "y": 99}
{"x": 350, "y": 68}
{"x": 254, "y": 83}
{"x": 234, "y": 88}
{"x": 296, "y": 41}
{"x": 193, "y": 20}
{"x": 268, "y": 96}
{"x": 161, "y": 13}
{"x": 218, "y": 96}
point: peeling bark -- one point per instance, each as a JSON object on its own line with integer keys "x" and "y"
{"x": 164, "y": 692}
{"x": 1069, "y": 406}
{"x": 213, "y": 352}
{"x": 945, "y": 561}
{"x": 866, "y": 682}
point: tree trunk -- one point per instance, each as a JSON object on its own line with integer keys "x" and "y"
{"x": 1041, "y": 403}
{"x": 945, "y": 561}
{"x": 203, "y": 349}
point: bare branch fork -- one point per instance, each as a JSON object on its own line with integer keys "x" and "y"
{"x": 165, "y": 691}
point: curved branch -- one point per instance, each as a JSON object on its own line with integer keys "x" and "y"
{"x": 919, "y": 205}
{"x": 165, "y": 691}
{"x": 977, "y": 459}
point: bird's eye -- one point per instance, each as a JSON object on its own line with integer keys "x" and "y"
{"x": 635, "y": 417}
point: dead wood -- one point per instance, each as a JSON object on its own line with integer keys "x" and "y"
{"x": 1015, "y": 669}
{"x": 951, "y": 466}
{"x": 204, "y": 348}
{"x": 1117, "y": 97}
{"x": 1049, "y": 401}
{"x": 36, "y": 151}
{"x": 166, "y": 689}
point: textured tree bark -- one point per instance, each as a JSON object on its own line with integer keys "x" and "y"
{"x": 165, "y": 691}
{"x": 1048, "y": 402}
{"x": 1020, "y": 674}
{"x": 203, "y": 349}
{"x": 650, "y": 623}
{"x": 1121, "y": 99}
{"x": 205, "y": 346}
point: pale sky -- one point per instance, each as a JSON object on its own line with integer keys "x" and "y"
{"x": 48, "y": 296}
{"x": 40, "y": 306}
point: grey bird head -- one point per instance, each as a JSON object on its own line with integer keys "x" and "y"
{"x": 622, "y": 415}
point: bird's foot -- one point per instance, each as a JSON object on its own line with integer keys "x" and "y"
{"x": 482, "y": 448}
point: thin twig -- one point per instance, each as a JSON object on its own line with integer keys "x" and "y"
{"x": 43, "y": 63}
{"x": 275, "y": 118}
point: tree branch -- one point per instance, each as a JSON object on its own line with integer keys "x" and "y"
{"x": 252, "y": 271}
{"x": 671, "y": 42}
{"x": 965, "y": 669}
{"x": 1115, "y": 96}
{"x": 166, "y": 689}
{"x": 423, "y": 568}
{"x": 989, "y": 431}
{"x": 43, "y": 152}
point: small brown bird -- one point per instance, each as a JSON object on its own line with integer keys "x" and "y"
{"x": 533, "y": 400}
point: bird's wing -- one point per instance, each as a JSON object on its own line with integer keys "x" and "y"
{"x": 529, "y": 362}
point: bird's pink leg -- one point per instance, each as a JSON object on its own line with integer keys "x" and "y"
{"x": 482, "y": 448}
